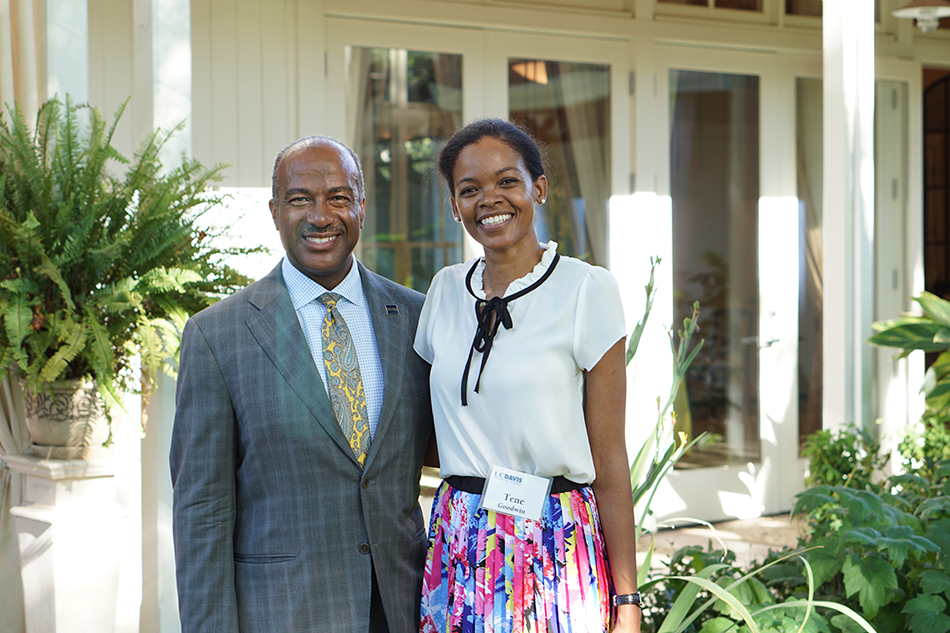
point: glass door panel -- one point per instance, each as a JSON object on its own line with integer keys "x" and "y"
{"x": 406, "y": 105}
{"x": 566, "y": 105}
{"x": 714, "y": 182}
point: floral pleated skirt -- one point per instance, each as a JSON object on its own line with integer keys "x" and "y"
{"x": 488, "y": 572}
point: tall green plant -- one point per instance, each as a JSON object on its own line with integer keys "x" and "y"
{"x": 98, "y": 267}
{"x": 662, "y": 448}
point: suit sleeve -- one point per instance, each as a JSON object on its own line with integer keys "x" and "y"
{"x": 202, "y": 459}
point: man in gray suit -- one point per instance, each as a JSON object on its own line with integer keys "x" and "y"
{"x": 280, "y": 524}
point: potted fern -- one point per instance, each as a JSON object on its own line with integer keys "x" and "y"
{"x": 101, "y": 262}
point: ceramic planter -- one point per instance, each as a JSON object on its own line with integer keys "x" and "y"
{"x": 67, "y": 422}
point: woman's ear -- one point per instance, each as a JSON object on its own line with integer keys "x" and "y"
{"x": 541, "y": 189}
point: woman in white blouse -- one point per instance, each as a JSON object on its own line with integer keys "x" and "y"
{"x": 528, "y": 389}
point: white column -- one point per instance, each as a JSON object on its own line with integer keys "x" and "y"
{"x": 159, "y": 592}
{"x": 70, "y": 531}
{"x": 162, "y": 84}
{"x": 848, "y": 200}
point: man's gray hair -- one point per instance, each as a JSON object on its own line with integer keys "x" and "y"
{"x": 319, "y": 139}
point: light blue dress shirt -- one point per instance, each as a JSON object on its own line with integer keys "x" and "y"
{"x": 355, "y": 310}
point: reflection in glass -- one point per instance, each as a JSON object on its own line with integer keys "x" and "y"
{"x": 714, "y": 153}
{"x": 810, "y": 163}
{"x": 406, "y": 105}
{"x": 567, "y": 107}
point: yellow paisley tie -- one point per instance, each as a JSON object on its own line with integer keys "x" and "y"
{"x": 344, "y": 379}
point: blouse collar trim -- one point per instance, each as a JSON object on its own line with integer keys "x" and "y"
{"x": 550, "y": 249}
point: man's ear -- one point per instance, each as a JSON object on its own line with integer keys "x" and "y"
{"x": 273, "y": 212}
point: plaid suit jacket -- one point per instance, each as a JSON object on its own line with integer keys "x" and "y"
{"x": 276, "y": 526}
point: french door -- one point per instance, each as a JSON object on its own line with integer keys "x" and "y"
{"x": 729, "y": 233}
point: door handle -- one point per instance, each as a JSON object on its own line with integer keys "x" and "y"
{"x": 754, "y": 340}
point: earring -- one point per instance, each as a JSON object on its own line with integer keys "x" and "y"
{"x": 457, "y": 218}
{"x": 542, "y": 200}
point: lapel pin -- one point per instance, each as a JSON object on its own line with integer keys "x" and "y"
{"x": 391, "y": 308}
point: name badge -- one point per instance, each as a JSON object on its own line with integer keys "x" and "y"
{"x": 515, "y": 494}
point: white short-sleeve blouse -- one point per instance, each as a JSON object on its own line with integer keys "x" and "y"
{"x": 528, "y": 414}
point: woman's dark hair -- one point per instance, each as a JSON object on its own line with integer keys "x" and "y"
{"x": 513, "y": 135}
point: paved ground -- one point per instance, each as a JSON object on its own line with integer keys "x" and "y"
{"x": 750, "y": 539}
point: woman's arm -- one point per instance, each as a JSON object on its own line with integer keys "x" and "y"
{"x": 604, "y": 405}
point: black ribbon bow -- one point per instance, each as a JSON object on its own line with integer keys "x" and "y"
{"x": 487, "y": 326}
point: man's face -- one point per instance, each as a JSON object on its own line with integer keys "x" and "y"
{"x": 318, "y": 210}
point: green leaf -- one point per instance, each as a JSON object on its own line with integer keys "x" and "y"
{"x": 641, "y": 325}
{"x": 869, "y": 578}
{"x": 927, "y": 614}
{"x": 938, "y": 533}
{"x": 934, "y": 581}
{"x": 16, "y": 320}
{"x": 720, "y": 593}
{"x": 910, "y": 334}
{"x": 824, "y": 564}
{"x": 48, "y": 268}
{"x": 862, "y": 536}
{"x": 938, "y": 395}
{"x": 847, "y": 621}
{"x": 935, "y": 307}
{"x": 73, "y": 338}
{"x": 717, "y": 625}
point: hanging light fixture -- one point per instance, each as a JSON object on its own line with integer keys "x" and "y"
{"x": 926, "y": 12}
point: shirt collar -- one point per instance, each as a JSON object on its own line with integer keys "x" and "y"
{"x": 303, "y": 289}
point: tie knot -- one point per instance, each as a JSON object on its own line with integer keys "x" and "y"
{"x": 329, "y": 299}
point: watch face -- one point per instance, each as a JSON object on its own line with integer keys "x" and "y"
{"x": 627, "y": 598}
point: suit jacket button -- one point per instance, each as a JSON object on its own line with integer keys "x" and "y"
{"x": 366, "y": 483}
{"x": 364, "y": 548}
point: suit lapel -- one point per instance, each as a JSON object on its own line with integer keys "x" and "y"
{"x": 277, "y": 330}
{"x": 393, "y": 334}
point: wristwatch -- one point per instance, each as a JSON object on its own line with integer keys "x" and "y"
{"x": 627, "y": 598}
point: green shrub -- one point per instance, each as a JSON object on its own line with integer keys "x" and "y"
{"x": 884, "y": 555}
{"x": 925, "y": 444}
{"x": 848, "y": 457}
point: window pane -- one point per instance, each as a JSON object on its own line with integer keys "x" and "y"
{"x": 937, "y": 183}
{"x": 803, "y": 7}
{"x": 567, "y": 107}
{"x": 406, "y": 105}
{"x": 810, "y": 178}
{"x": 714, "y": 173}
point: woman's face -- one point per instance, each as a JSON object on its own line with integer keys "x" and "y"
{"x": 494, "y": 195}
